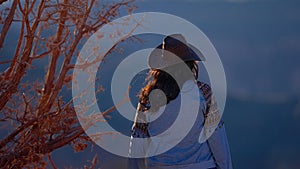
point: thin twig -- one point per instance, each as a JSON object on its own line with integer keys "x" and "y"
{"x": 51, "y": 161}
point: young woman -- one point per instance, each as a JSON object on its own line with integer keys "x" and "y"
{"x": 160, "y": 103}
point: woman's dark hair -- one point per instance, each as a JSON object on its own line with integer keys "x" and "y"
{"x": 160, "y": 79}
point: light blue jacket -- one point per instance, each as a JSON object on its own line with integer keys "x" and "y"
{"x": 188, "y": 153}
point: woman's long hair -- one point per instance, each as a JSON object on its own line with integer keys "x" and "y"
{"x": 160, "y": 79}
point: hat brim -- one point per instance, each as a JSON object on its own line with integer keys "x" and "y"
{"x": 158, "y": 61}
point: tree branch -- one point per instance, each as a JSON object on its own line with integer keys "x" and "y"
{"x": 51, "y": 161}
{"x": 8, "y": 21}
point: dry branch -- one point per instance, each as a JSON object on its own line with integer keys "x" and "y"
{"x": 41, "y": 118}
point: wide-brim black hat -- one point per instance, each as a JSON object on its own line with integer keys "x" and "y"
{"x": 173, "y": 50}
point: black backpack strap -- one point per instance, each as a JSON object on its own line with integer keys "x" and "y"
{"x": 140, "y": 129}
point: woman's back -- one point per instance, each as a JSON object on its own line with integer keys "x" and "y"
{"x": 186, "y": 152}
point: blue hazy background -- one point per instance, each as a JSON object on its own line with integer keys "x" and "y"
{"x": 259, "y": 44}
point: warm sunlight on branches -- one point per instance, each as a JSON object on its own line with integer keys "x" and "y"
{"x": 37, "y": 115}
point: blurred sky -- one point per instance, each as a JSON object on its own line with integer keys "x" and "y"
{"x": 259, "y": 45}
{"x": 258, "y": 41}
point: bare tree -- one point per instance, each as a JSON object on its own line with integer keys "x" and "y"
{"x": 39, "y": 118}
